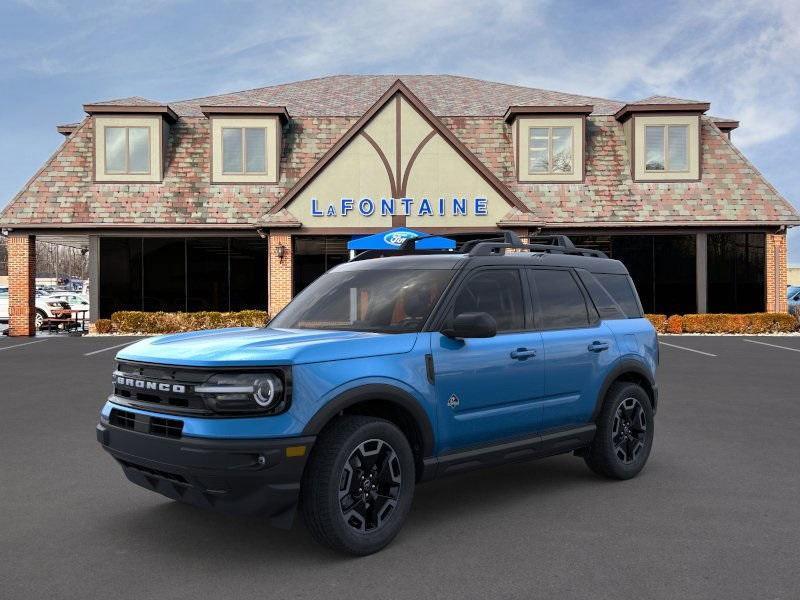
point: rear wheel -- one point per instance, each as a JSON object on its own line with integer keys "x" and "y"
{"x": 624, "y": 435}
{"x": 39, "y": 319}
{"x": 358, "y": 486}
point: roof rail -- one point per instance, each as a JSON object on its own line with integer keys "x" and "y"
{"x": 562, "y": 245}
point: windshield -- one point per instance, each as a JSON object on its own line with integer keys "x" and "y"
{"x": 383, "y": 301}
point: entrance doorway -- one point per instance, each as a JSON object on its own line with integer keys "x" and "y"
{"x": 313, "y": 255}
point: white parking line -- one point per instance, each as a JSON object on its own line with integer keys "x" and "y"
{"x": 109, "y": 348}
{"x": 20, "y": 345}
{"x": 688, "y": 349}
{"x": 771, "y": 345}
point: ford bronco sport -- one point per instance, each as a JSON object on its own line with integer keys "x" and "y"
{"x": 386, "y": 372}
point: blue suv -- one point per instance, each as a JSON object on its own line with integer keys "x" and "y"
{"x": 387, "y": 372}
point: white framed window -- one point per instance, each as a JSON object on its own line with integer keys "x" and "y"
{"x": 550, "y": 150}
{"x": 666, "y": 148}
{"x": 244, "y": 150}
{"x": 127, "y": 150}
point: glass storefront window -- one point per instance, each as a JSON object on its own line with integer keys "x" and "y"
{"x": 736, "y": 272}
{"x": 180, "y": 274}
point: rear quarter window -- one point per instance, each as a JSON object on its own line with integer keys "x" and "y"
{"x": 622, "y": 290}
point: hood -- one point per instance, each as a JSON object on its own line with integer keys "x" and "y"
{"x": 252, "y": 346}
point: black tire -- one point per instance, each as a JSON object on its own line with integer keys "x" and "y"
{"x": 39, "y": 318}
{"x": 624, "y": 435}
{"x": 335, "y": 496}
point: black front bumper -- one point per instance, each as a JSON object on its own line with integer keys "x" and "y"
{"x": 250, "y": 477}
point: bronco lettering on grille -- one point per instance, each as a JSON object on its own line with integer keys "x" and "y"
{"x": 143, "y": 384}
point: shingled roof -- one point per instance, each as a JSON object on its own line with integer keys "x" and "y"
{"x": 731, "y": 191}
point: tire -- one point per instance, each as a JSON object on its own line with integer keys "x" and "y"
{"x": 624, "y": 435}
{"x": 39, "y": 318}
{"x": 359, "y": 519}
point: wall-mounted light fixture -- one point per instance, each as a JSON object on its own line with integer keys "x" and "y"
{"x": 280, "y": 252}
{"x": 261, "y": 233}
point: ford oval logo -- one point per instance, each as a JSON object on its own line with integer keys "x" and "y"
{"x": 396, "y": 238}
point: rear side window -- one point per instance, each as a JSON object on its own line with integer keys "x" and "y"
{"x": 621, "y": 289}
{"x": 494, "y": 291}
{"x": 560, "y": 301}
{"x": 606, "y": 306}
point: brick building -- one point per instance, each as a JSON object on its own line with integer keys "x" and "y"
{"x": 240, "y": 200}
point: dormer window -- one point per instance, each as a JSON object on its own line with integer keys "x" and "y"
{"x": 244, "y": 150}
{"x": 548, "y": 142}
{"x": 245, "y": 143}
{"x": 666, "y": 148}
{"x": 127, "y": 150}
{"x": 550, "y": 150}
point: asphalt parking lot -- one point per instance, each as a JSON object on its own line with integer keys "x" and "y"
{"x": 715, "y": 514}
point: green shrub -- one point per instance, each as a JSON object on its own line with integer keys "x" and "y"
{"x": 132, "y": 321}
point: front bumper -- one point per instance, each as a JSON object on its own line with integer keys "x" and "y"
{"x": 250, "y": 477}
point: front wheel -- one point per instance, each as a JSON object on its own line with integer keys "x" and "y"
{"x": 358, "y": 485}
{"x": 624, "y": 435}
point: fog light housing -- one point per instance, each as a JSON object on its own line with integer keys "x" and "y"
{"x": 243, "y": 392}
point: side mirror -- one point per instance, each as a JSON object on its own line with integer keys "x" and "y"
{"x": 472, "y": 325}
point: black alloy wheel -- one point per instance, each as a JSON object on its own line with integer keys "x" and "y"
{"x": 370, "y": 485}
{"x": 629, "y": 432}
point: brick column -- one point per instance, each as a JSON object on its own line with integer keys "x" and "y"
{"x": 280, "y": 271}
{"x": 21, "y": 284}
{"x": 775, "y": 273}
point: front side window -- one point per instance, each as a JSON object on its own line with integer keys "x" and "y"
{"x": 561, "y": 302}
{"x": 244, "y": 150}
{"x": 127, "y": 150}
{"x": 550, "y": 150}
{"x": 666, "y": 147}
{"x": 380, "y": 301}
{"x": 497, "y": 292}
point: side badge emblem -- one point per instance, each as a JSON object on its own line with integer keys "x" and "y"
{"x": 452, "y": 401}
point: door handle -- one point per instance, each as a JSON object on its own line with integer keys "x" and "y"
{"x": 597, "y": 346}
{"x": 522, "y": 353}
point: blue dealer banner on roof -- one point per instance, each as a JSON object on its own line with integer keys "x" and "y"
{"x": 392, "y": 239}
{"x": 422, "y": 207}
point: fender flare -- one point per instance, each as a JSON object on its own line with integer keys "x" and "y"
{"x": 375, "y": 391}
{"x": 624, "y": 366}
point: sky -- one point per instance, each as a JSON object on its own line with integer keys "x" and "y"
{"x": 742, "y": 56}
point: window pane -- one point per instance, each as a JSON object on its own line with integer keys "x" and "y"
{"x": 207, "y": 274}
{"x": 736, "y": 272}
{"x": 654, "y": 148}
{"x": 138, "y": 149}
{"x": 231, "y": 150}
{"x": 678, "y": 140}
{"x": 674, "y": 274}
{"x": 620, "y": 288}
{"x": 538, "y": 150}
{"x": 256, "y": 151}
{"x": 561, "y": 303}
{"x": 248, "y": 273}
{"x": 496, "y": 292}
{"x": 164, "y": 277}
{"x": 562, "y": 149}
{"x": 115, "y": 149}
{"x": 120, "y": 266}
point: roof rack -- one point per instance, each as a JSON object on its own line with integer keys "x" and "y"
{"x": 561, "y": 244}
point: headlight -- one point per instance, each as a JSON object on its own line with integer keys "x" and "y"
{"x": 244, "y": 392}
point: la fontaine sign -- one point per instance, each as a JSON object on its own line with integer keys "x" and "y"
{"x": 390, "y": 207}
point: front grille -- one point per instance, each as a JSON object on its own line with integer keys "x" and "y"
{"x": 125, "y": 419}
{"x": 161, "y": 388}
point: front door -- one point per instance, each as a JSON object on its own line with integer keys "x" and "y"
{"x": 488, "y": 389}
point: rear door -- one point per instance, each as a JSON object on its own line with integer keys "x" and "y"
{"x": 578, "y": 347}
{"x": 488, "y": 389}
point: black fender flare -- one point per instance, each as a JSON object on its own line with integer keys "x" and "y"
{"x": 375, "y": 391}
{"x": 623, "y": 367}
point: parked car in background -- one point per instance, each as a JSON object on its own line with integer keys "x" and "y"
{"x": 47, "y": 307}
{"x": 793, "y": 296}
{"x": 76, "y": 301}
